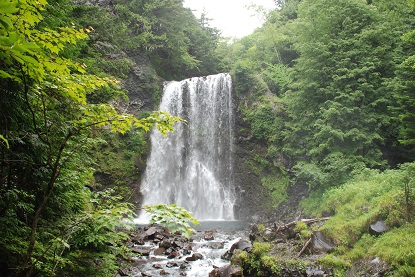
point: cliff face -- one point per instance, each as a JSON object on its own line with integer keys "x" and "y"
{"x": 143, "y": 86}
{"x": 144, "y": 89}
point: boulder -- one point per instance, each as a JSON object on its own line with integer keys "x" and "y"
{"x": 227, "y": 271}
{"x": 165, "y": 243}
{"x": 378, "y": 228}
{"x": 141, "y": 251}
{"x": 159, "y": 251}
{"x": 178, "y": 243}
{"x": 208, "y": 236}
{"x": 216, "y": 245}
{"x": 320, "y": 244}
{"x": 172, "y": 264}
{"x": 173, "y": 255}
{"x": 239, "y": 245}
{"x": 194, "y": 257}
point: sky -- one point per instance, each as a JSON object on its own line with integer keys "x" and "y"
{"x": 230, "y": 16}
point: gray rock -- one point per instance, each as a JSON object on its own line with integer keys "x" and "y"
{"x": 227, "y": 271}
{"x": 320, "y": 244}
{"x": 378, "y": 228}
{"x": 159, "y": 251}
{"x": 194, "y": 257}
{"x": 141, "y": 251}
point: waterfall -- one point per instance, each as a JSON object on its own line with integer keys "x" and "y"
{"x": 192, "y": 167}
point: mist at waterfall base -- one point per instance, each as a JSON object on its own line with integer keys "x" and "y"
{"x": 193, "y": 166}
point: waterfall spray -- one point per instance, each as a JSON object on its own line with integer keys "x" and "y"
{"x": 193, "y": 166}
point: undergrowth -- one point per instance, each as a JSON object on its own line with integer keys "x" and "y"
{"x": 261, "y": 263}
{"x": 354, "y": 206}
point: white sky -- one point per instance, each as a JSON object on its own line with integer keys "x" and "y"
{"x": 232, "y": 17}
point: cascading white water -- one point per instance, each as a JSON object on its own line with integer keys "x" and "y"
{"x": 192, "y": 167}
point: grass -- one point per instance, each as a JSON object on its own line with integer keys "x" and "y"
{"x": 369, "y": 197}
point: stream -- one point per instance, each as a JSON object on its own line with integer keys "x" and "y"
{"x": 212, "y": 240}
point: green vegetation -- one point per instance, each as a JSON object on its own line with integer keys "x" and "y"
{"x": 56, "y": 220}
{"x": 173, "y": 217}
{"x": 326, "y": 89}
{"x": 369, "y": 197}
{"x": 261, "y": 263}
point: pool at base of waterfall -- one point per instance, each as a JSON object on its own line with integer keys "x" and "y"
{"x": 174, "y": 255}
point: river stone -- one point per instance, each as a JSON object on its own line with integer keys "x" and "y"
{"x": 208, "y": 236}
{"x": 173, "y": 255}
{"x": 138, "y": 240}
{"x": 320, "y": 244}
{"x": 216, "y": 245}
{"x": 159, "y": 251}
{"x": 157, "y": 266}
{"x": 165, "y": 244}
{"x": 227, "y": 271}
{"x": 172, "y": 264}
{"x": 151, "y": 232}
{"x": 194, "y": 257}
{"x": 378, "y": 228}
{"x": 163, "y": 272}
{"x": 178, "y": 244}
{"x": 239, "y": 245}
{"x": 142, "y": 252}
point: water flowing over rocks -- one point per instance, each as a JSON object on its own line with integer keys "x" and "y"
{"x": 163, "y": 253}
{"x": 193, "y": 166}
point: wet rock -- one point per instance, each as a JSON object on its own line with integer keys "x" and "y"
{"x": 187, "y": 250}
{"x": 172, "y": 264}
{"x": 320, "y": 244}
{"x": 370, "y": 267}
{"x": 173, "y": 255}
{"x": 194, "y": 257}
{"x": 316, "y": 271}
{"x": 184, "y": 265}
{"x": 177, "y": 243}
{"x": 123, "y": 272}
{"x": 227, "y": 271}
{"x": 239, "y": 245}
{"x": 138, "y": 240}
{"x": 157, "y": 266}
{"x": 141, "y": 251}
{"x": 216, "y": 245}
{"x": 165, "y": 244}
{"x": 151, "y": 232}
{"x": 158, "y": 237}
{"x": 163, "y": 272}
{"x": 208, "y": 236}
{"x": 378, "y": 228}
{"x": 159, "y": 251}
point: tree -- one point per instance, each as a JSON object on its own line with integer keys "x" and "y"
{"x": 338, "y": 102}
{"x": 45, "y": 120}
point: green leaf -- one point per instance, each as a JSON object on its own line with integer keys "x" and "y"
{"x": 4, "y": 74}
{"x": 6, "y": 22}
{"x": 9, "y": 7}
{"x": 4, "y": 139}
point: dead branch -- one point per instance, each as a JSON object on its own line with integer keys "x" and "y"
{"x": 305, "y": 246}
{"x": 305, "y": 220}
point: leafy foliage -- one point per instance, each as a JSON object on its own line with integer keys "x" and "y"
{"x": 362, "y": 201}
{"x": 173, "y": 217}
{"x": 50, "y": 219}
{"x": 261, "y": 263}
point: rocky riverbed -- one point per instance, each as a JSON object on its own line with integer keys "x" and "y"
{"x": 257, "y": 250}
{"x": 157, "y": 252}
